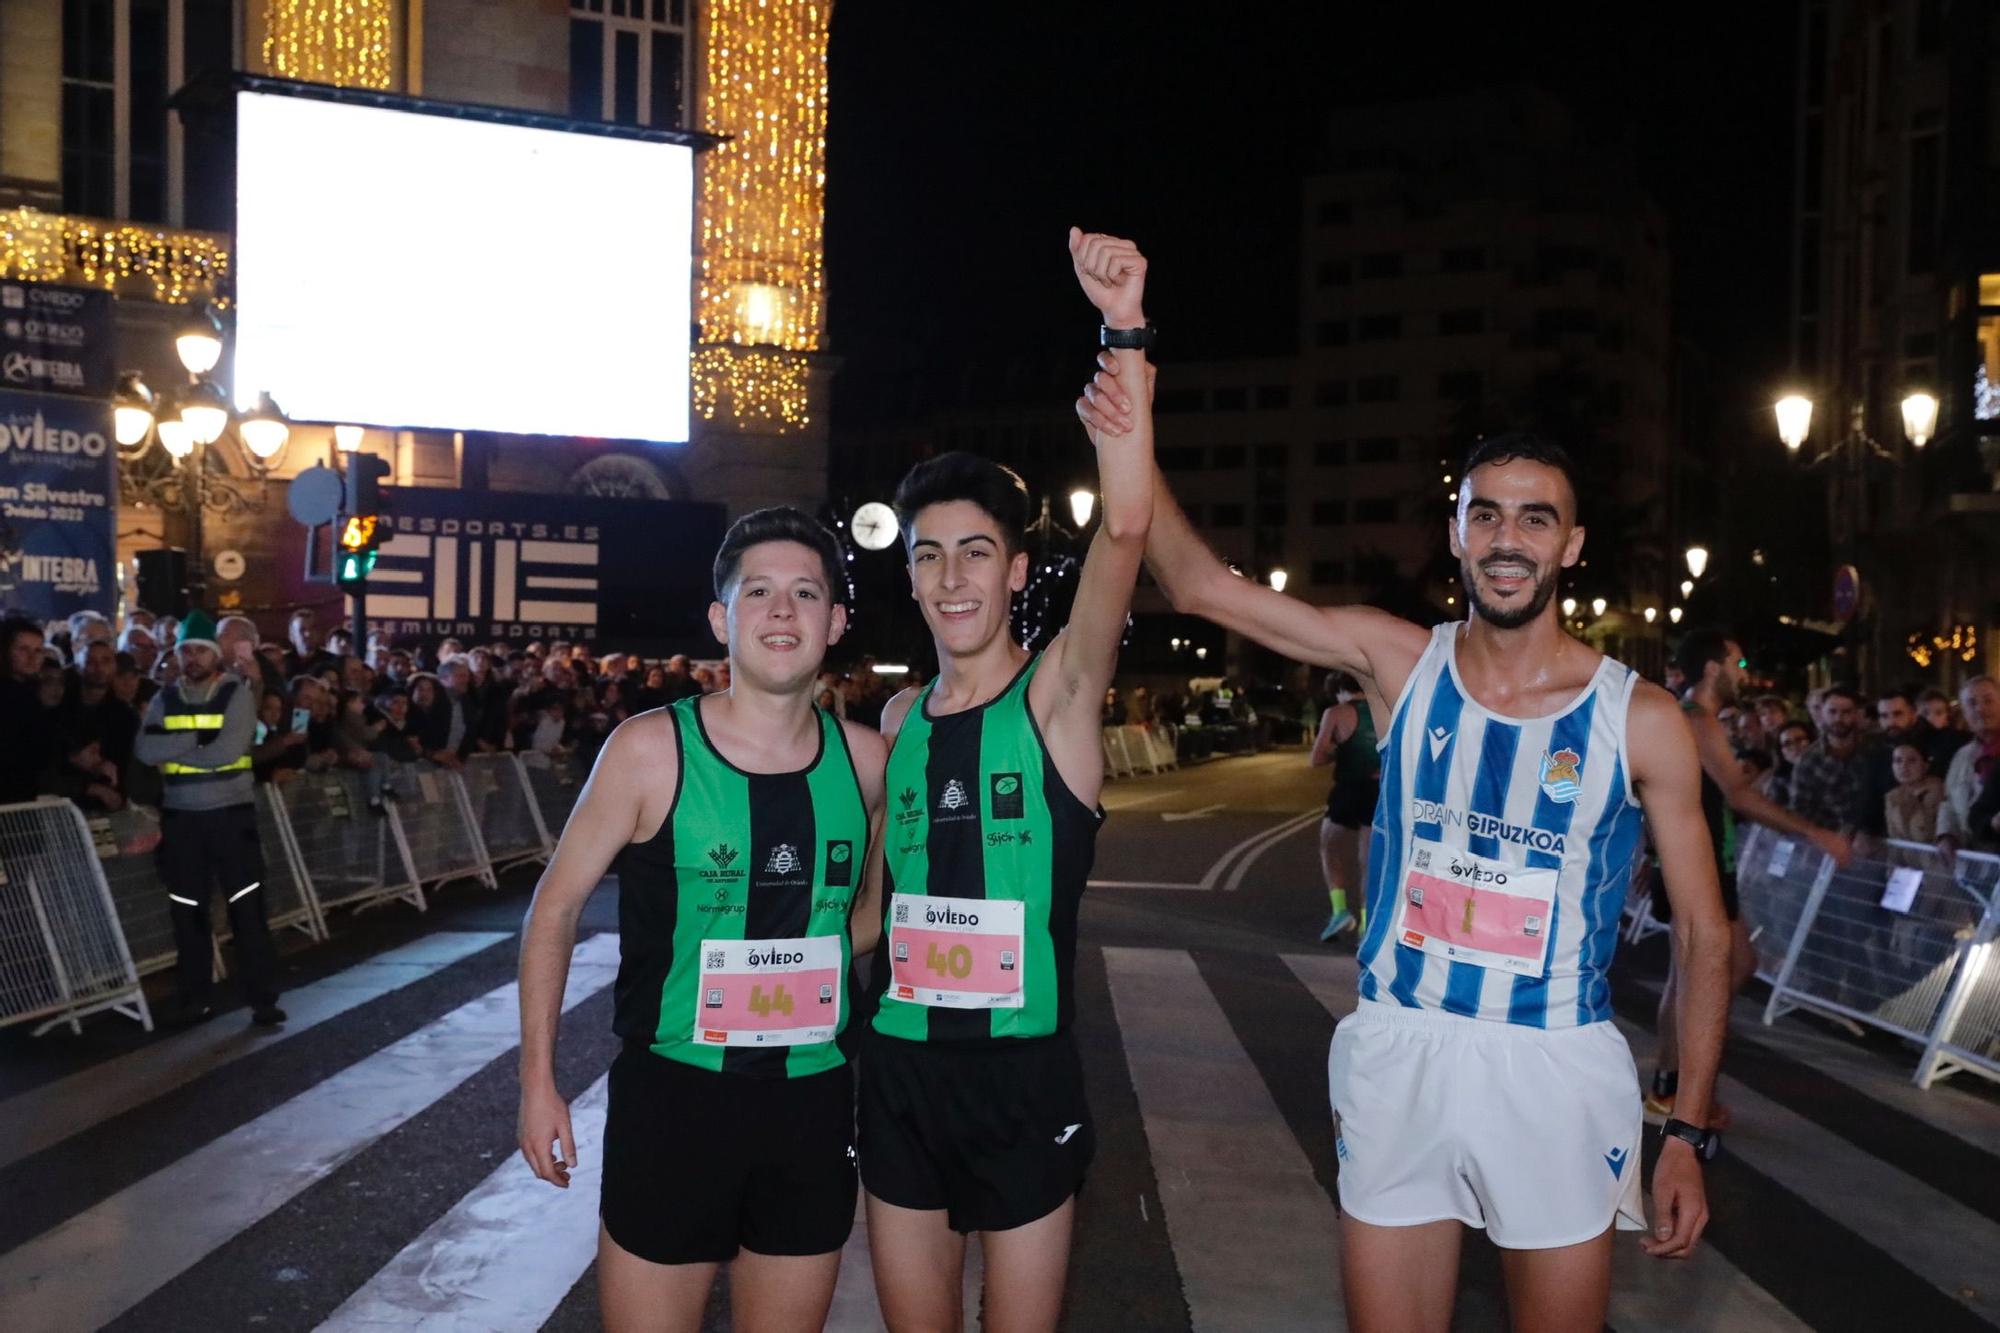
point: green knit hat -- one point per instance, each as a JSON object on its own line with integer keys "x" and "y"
{"x": 197, "y": 627}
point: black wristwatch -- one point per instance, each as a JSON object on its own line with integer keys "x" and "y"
{"x": 1141, "y": 338}
{"x": 1705, "y": 1142}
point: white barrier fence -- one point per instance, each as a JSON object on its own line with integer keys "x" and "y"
{"x": 1129, "y": 751}
{"x": 84, "y": 914}
{"x": 1903, "y": 942}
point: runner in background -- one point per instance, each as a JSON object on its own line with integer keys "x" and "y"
{"x": 1346, "y": 740}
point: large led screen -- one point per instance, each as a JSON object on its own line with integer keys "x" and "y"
{"x": 405, "y": 269}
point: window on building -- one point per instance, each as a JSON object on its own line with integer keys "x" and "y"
{"x": 1328, "y": 573}
{"x": 628, "y": 61}
{"x": 1375, "y": 509}
{"x": 1556, "y": 258}
{"x": 1926, "y": 168}
{"x": 1378, "y": 328}
{"x": 1178, "y": 457}
{"x": 1329, "y": 513}
{"x": 1457, "y": 323}
{"x": 1178, "y": 400}
{"x": 1378, "y": 388}
{"x": 1334, "y": 273}
{"x": 1330, "y": 393}
{"x": 1274, "y": 397}
{"x": 1462, "y": 386}
{"x": 1986, "y": 375}
{"x": 1227, "y": 457}
{"x": 90, "y": 107}
{"x": 1559, "y": 322}
{"x": 1272, "y": 514}
{"x": 1273, "y": 455}
{"x": 1330, "y": 453}
{"x": 1230, "y": 400}
{"x": 1376, "y": 449}
{"x": 1380, "y": 266}
{"x": 1462, "y": 259}
{"x": 1374, "y": 569}
{"x": 1330, "y": 333}
{"x": 1225, "y": 516}
{"x": 1335, "y": 213}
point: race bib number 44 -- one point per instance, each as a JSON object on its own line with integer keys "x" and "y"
{"x": 1473, "y": 910}
{"x": 768, "y": 992}
{"x": 956, "y": 953}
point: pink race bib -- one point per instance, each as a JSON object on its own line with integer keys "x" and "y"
{"x": 768, "y": 992}
{"x": 956, "y": 953}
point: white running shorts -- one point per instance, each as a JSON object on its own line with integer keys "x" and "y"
{"x": 1532, "y": 1134}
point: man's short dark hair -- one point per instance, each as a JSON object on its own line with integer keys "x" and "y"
{"x": 1700, "y": 646}
{"x": 1847, "y": 692}
{"x": 996, "y": 489}
{"x": 779, "y": 523}
{"x": 1522, "y": 444}
{"x": 1903, "y": 692}
{"x": 1934, "y": 696}
{"x": 13, "y": 627}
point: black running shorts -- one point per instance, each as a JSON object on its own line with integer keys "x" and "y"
{"x": 996, "y": 1134}
{"x": 698, "y": 1164}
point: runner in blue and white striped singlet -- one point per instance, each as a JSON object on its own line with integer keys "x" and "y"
{"x": 1502, "y": 851}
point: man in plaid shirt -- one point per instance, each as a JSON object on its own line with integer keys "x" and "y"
{"x": 1830, "y": 783}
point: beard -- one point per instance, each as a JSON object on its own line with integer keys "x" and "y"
{"x": 1501, "y": 617}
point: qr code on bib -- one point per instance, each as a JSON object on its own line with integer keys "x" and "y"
{"x": 714, "y": 958}
{"x": 902, "y": 914}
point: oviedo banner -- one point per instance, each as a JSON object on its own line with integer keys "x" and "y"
{"x": 621, "y": 574}
{"x": 58, "y": 505}
{"x": 55, "y": 339}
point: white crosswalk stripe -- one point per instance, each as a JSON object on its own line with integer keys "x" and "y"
{"x": 1240, "y": 1196}
{"x": 503, "y": 1257}
{"x": 106, "y": 1259}
{"x": 53, "y": 1112}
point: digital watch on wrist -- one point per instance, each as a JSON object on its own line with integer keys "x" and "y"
{"x": 1705, "y": 1142}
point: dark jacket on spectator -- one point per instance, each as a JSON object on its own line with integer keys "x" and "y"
{"x": 27, "y": 740}
{"x": 436, "y": 727}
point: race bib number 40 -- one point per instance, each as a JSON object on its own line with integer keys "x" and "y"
{"x": 768, "y": 992}
{"x": 956, "y": 953}
{"x": 1473, "y": 910}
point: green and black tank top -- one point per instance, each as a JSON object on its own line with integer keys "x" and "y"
{"x": 986, "y": 853}
{"x": 733, "y": 940}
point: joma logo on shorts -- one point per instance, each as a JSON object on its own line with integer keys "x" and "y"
{"x": 774, "y": 958}
{"x": 947, "y": 916}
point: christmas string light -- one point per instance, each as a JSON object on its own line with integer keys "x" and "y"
{"x": 753, "y": 388}
{"x": 182, "y": 266}
{"x": 347, "y": 43}
{"x": 763, "y": 203}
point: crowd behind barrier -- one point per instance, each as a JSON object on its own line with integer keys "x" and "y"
{"x": 1901, "y": 941}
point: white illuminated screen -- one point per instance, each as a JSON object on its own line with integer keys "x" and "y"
{"x": 401, "y": 269}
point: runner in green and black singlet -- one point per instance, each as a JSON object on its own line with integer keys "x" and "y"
{"x": 733, "y": 917}
{"x": 739, "y": 826}
{"x": 972, "y": 1113}
{"x": 987, "y": 852}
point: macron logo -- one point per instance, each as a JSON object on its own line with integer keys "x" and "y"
{"x": 1439, "y": 739}
{"x": 1068, "y": 1130}
{"x": 1615, "y": 1159}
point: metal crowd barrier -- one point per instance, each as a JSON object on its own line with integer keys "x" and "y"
{"x": 504, "y": 810}
{"x": 347, "y": 854}
{"x": 556, "y": 781}
{"x": 62, "y": 953}
{"x": 434, "y": 821}
{"x": 1131, "y": 750}
{"x": 1902, "y": 942}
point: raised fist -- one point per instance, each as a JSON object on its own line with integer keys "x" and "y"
{"x": 1112, "y": 274}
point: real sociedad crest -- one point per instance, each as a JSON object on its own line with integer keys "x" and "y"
{"x": 1562, "y": 779}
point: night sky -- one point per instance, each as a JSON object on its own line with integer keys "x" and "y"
{"x": 965, "y": 139}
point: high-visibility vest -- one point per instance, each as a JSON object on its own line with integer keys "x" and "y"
{"x": 180, "y": 715}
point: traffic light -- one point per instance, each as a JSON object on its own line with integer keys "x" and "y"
{"x": 362, "y": 519}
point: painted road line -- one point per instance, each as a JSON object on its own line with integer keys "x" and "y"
{"x": 503, "y": 1257}
{"x": 1646, "y": 1294}
{"x": 1277, "y": 835}
{"x": 855, "y": 1308}
{"x": 106, "y": 1259}
{"x": 1254, "y": 843}
{"x": 1143, "y": 884}
{"x": 44, "y": 1116}
{"x": 1176, "y": 816}
{"x": 1949, "y": 1245}
{"x": 1240, "y": 1197}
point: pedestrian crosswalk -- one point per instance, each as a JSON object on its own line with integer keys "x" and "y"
{"x": 383, "y": 1190}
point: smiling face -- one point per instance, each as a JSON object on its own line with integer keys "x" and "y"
{"x": 779, "y": 616}
{"x": 1514, "y": 533}
{"x": 962, "y": 576}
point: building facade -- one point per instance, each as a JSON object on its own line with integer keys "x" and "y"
{"x": 1466, "y": 264}
{"x": 116, "y": 172}
{"x": 1897, "y": 292}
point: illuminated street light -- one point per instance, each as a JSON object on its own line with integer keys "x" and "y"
{"x": 176, "y": 436}
{"x": 131, "y": 409}
{"x": 1569, "y": 606}
{"x": 1920, "y": 413}
{"x": 1794, "y": 419}
{"x": 1201, "y": 653}
{"x": 1081, "y": 502}
{"x": 1675, "y": 615}
{"x": 1652, "y": 614}
{"x": 347, "y": 439}
{"x": 1687, "y": 587}
{"x": 205, "y": 408}
{"x": 1278, "y": 580}
{"x": 198, "y": 341}
{"x": 1697, "y": 558}
{"x": 265, "y": 430}
{"x": 1597, "y": 605}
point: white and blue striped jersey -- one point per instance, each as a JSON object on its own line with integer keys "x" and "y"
{"x": 1527, "y": 828}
